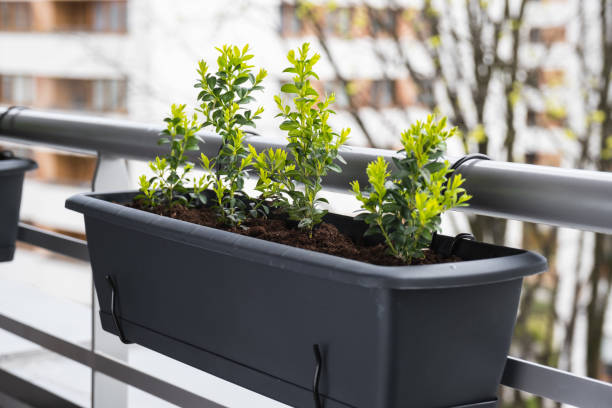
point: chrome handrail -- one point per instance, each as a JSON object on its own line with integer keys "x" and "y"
{"x": 549, "y": 195}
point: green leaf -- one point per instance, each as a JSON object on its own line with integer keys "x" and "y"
{"x": 289, "y": 88}
{"x": 361, "y": 217}
{"x": 335, "y": 167}
{"x": 305, "y": 223}
{"x": 434, "y": 167}
{"x": 241, "y": 80}
{"x": 192, "y": 146}
{"x": 373, "y": 230}
{"x": 311, "y": 91}
{"x": 289, "y": 125}
{"x": 227, "y": 97}
{"x": 246, "y": 100}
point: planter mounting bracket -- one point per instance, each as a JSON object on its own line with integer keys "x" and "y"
{"x": 114, "y": 296}
{"x": 449, "y": 249}
{"x": 468, "y": 157}
{"x": 317, "y": 376}
{"x": 458, "y": 237}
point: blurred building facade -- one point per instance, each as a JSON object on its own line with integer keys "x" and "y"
{"x": 130, "y": 58}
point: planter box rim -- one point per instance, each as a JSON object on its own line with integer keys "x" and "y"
{"x": 16, "y": 165}
{"x": 433, "y": 276}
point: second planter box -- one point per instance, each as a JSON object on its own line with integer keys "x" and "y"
{"x": 12, "y": 170}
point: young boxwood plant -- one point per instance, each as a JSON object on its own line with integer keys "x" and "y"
{"x": 273, "y": 182}
{"x": 223, "y": 99}
{"x": 405, "y": 207}
{"x": 168, "y": 186}
{"x": 312, "y": 144}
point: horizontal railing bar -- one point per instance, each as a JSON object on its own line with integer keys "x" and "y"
{"x": 133, "y": 140}
{"x": 549, "y": 195}
{"x": 556, "y": 385}
{"x": 28, "y": 394}
{"x": 108, "y": 366}
{"x": 54, "y": 242}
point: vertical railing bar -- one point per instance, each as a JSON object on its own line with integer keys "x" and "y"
{"x": 111, "y": 173}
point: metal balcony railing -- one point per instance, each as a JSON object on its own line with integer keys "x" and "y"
{"x": 517, "y": 191}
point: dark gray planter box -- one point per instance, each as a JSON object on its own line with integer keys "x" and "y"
{"x": 11, "y": 182}
{"x": 250, "y": 311}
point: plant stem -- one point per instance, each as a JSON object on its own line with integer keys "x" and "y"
{"x": 387, "y": 239}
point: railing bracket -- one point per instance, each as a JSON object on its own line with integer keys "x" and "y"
{"x": 467, "y": 158}
{"x": 448, "y": 250}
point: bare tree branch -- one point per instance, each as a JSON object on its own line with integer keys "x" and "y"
{"x": 323, "y": 41}
{"x": 510, "y": 86}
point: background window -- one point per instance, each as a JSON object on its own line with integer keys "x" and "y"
{"x": 340, "y": 93}
{"x": 383, "y": 22}
{"x": 109, "y": 95}
{"x": 291, "y": 24}
{"x": 15, "y": 16}
{"x": 338, "y": 22}
{"x": 110, "y": 17}
{"x": 383, "y": 93}
{"x": 16, "y": 90}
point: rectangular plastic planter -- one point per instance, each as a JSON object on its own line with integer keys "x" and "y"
{"x": 11, "y": 182}
{"x": 250, "y": 311}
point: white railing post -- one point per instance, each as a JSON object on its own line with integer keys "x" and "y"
{"x": 111, "y": 174}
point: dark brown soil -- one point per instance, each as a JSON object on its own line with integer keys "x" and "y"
{"x": 326, "y": 237}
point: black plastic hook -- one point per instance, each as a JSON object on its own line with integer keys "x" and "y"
{"x": 463, "y": 235}
{"x": 434, "y": 236}
{"x": 458, "y": 237}
{"x": 114, "y": 295}
{"x": 317, "y": 376}
{"x": 468, "y": 157}
{"x": 5, "y": 114}
{"x": 448, "y": 250}
{"x": 461, "y": 161}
